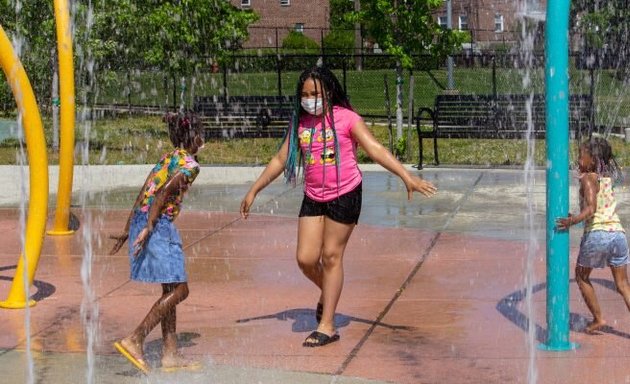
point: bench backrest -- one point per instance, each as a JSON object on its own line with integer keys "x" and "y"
{"x": 503, "y": 115}
{"x": 244, "y": 116}
{"x": 469, "y": 113}
{"x": 276, "y": 106}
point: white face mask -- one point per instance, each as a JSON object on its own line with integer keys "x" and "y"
{"x": 314, "y": 106}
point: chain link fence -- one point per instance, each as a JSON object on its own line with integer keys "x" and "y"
{"x": 372, "y": 88}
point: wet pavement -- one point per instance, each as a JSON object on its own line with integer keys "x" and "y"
{"x": 433, "y": 287}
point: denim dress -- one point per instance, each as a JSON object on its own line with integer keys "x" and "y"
{"x": 162, "y": 258}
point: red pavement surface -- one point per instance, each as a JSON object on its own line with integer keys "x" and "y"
{"x": 417, "y": 306}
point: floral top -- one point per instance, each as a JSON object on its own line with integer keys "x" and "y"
{"x": 170, "y": 164}
{"x": 605, "y": 217}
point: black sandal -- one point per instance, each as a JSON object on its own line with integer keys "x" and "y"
{"x": 319, "y": 339}
{"x": 319, "y": 312}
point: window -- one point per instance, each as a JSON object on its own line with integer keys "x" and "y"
{"x": 443, "y": 21}
{"x": 463, "y": 23}
{"x": 246, "y": 3}
{"x": 498, "y": 23}
{"x": 285, "y": 3}
{"x": 299, "y": 27}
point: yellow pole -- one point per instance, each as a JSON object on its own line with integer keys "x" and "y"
{"x": 66, "y": 141}
{"x": 38, "y": 173}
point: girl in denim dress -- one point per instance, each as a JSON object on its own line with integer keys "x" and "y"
{"x": 155, "y": 247}
{"x": 604, "y": 241}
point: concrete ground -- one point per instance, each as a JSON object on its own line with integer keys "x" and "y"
{"x": 434, "y": 288}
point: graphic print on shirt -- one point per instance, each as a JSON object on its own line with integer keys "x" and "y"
{"x": 328, "y": 135}
{"x": 306, "y": 138}
{"x": 330, "y": 157}
{"x": 605, "y": 217}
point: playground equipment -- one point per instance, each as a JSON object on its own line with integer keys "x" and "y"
{"x": 557, "y": 110}
{"x": 38, "y": 173}
{"x": 66, "y": 93}
{"x": 557, "y": 99}
{"x": 36, "y": 148}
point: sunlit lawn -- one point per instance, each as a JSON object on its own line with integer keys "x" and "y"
{"x": 366, "y": 88}
{"x": 143, "y": 140}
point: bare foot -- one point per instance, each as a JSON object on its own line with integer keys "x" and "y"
{"x": 177, "y": 361}
{"x": 594, "y": 326}
{"x": 132, "y": 351}
{"x": 134, "y": 348}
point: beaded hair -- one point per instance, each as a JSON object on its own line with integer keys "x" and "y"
{"x": 334, "y": 95}
{"x": 183, "y": 127}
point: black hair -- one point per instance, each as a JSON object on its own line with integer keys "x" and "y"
{"x": 605, "y": 163}
{"x": 333, "y": 95}
{"x": 183, "y": 127}
{"x": 332, "y": 89}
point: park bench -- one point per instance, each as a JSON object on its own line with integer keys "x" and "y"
{"x": 244, "y": 116}
{"x": 495, "y": 117}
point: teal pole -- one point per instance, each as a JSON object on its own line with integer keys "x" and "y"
{"x": 557, "y": 114}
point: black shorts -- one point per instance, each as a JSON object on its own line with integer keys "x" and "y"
{"x": 344, "y": 209}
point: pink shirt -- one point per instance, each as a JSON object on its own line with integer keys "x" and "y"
{"x": 320, "y": 170}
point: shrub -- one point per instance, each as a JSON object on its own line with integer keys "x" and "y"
{"x": 299, "y": 41}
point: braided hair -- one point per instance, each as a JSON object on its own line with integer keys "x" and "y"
{"x": 605, "y": 163}
{"x": 183, "y": 128}
{"x": 334, "y": 95}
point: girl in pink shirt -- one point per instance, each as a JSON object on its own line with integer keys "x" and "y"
{"x": 322, "y": 139}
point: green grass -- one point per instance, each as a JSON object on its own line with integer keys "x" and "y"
{"x": 143, "y": 140}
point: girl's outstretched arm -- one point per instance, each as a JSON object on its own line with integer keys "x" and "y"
{"x": 589, "y": 186}
{"x": 384, "y": 157}
{"x": 271, "y": 172}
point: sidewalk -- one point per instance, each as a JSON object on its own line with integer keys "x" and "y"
{"x": 433, "y": 289}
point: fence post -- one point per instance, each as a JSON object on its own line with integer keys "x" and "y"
{"x": 591, "y": 107}
{"x": 321, "y": 43}
{"x": 225, "y": 87}
{"x": 279, "y": 71}
{"x": 420, "y": 152}
{"x": 358, "y": 40}
{"x": 389, "y": 115}
{"x": 494, "y": 76}
{"x": 410, "y": 111}
{"x": 343, "y": 71}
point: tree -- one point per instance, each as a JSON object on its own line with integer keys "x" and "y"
{"x": 603, "y": 26}
{"x": 338, "y": 11}
{"x": 404, "y": 28}
{"x": 33, "y": 31}
{"x": 341, "y": 38}
{"x": 177, "y": 37}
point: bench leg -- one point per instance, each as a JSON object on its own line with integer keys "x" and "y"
{"x": 420, "y": 152}
{"x": 435, "y": 150}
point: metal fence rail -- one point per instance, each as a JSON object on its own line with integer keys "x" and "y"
{"x": 144, "y": 89}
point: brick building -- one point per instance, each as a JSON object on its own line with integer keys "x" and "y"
{"x": 278, "y": 17}
{"x": 491, "y": 22}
